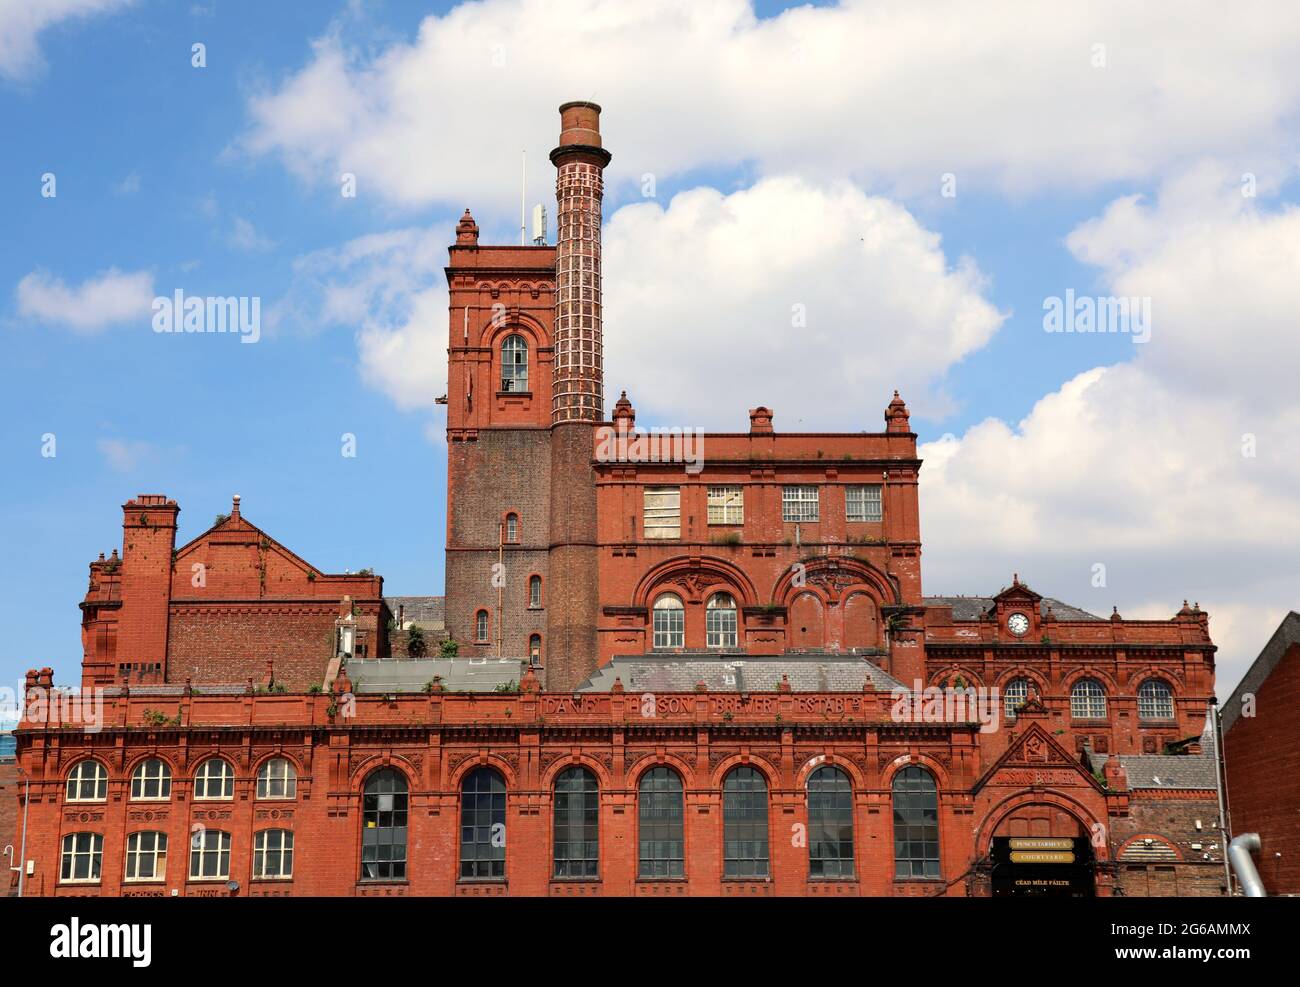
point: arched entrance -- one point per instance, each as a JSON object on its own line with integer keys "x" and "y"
{"x": 1044, "y": 851}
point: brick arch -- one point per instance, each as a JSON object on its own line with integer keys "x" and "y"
{"x": 139, "y": 759}
{"x": 1152, "y": 672}
{"x": 100, "y": 758}
{"x": 522, "y": 323}
{"x": 856, "y": 777}
{"x": 806, "y": 613}
{"x": 1005, "y": 678}
{"x": 723, "y": 574}
{"x": 951, "y": 671}
{"x": 769, "y": 771}
{"x": 1090, "y": 672}
{"x": 1166, "y": 841}
{"x": 665, "y": 760}
{"x": 494, "y": 761}
{"x": 259, "y": 761}
{"x": 1012, "y": 803}
{"x": 838, "y": 577}
{"x": 371, "y": 764}
{"x": 576, "y": 761}
{"x": 937, "y": 771}
{"x": 856, "y": 635}
{"x": 192, "y": 770}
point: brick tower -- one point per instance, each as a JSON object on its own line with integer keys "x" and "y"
{"x": 577, "y": 397}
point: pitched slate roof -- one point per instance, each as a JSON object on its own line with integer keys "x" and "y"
{"x": 1287, "y": 634}
{"x": 1163, "y": 770}
{"x": 973, "y": 607}
{"x": 427, "y": 611}
{"x": 740, "y": 673}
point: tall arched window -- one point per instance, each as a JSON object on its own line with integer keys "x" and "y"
{"x": 669, "y": 622}
{"x": 660, "y": 815}
{"x": 830, "y": 823}
{"x": 1088, "y": 700}
{"x": 481, "y": 626}
{"x": 152, "y": 779}
{"x": 514, "y": 363}
{"x": 720, "y": 621}
{"x": 1014, "y": 695}
{"x": 916, "y": 824}
{"x": 277, "y": 779}
{"x": 483, "y": 825}
{"x": 215, "y": 779}
{"x": 1155, "y": 700}
{"x": 87, "y": 782}
{"x": 512, "y": 527}
{"x": 744, "y": 823}
{"x": 534, "y": 591}
{"x": 535, "y": 649}
{"x": 577, "y": 824}
{"x": 383, "y": 826}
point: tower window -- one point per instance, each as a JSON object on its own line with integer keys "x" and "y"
{"x": 514, "y": 363}
{"x": 535, "y": 649}
{"x": 481, "y": 627}
{"x": 862, "y": 502}
{"x": 534, "y": 591}
{"x": 512, "y": 527}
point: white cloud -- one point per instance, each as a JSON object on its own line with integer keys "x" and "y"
{"x": 888, "y": 92}
{"x": 98, "y": 302}
{"x": 21, "y": 21}
{"x": 124, "y": 455}
{"x": 702, "y": 301}
{"x": 1178, "y": 470}
{"x": 244, "y": 236}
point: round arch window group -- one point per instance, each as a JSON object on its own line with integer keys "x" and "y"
{"x": 1155, "y": 699}
{"x": 669, "y": 621}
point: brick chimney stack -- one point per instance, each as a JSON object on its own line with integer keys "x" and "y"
{"x": 577, "y": 398}
{"x": 578, "y": 375}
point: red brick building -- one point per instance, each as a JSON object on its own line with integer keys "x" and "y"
{"x": 1261, "y": 740}
{"x": 687, "y": 664}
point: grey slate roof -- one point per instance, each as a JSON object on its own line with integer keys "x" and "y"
{"x": 458, "y": 674}
{"x": 1172, "y": 770}
{"x": 740, "y": 673}
{"x": 973, "y": 607}
{"x": 1287, "y": 634}
{"x": 426, "y": 611}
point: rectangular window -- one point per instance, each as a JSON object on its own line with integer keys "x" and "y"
{"x": 799, "y": 504}
{"x": 663, "y": 512}
{"x": 146, "y": 856}
{"x": 210, "y": 856}
{"x": 273, "y": 854}
{"x": 862, "y": 502}
{"x": 726, "y": 505}
{"x": 82, "y": 855}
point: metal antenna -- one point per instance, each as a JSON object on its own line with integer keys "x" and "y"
{"x": 523, "y": 187}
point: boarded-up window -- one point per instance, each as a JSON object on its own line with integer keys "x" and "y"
{"x": 663, "y": 512}
{"x": 726, "y": 505}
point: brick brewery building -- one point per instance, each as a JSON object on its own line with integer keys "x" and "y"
{"x": 675, "y": 673}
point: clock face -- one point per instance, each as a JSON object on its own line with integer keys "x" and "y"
{"x": 1018, "y": 624}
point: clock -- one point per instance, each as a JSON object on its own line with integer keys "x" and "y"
{"x": 1018, "y": 624}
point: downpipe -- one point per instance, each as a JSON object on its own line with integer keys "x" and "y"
{"x": 1239, "y": 852}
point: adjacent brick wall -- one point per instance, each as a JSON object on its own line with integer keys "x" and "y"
{"x": 10, "y": 820}
{"x": 1171, "y": 820}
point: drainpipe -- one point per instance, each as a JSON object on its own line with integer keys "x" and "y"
{"x": 1220, "y": 780}
{"x": 1239, "y": 852}
{"x": 22, "y": 853}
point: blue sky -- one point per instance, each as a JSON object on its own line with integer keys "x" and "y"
{"x": 223, "y": 180}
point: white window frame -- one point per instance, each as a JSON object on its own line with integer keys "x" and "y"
{"x": 1015, "y": 695}
{"x": 204, "y": 780}
{"x": 77, "y": 781}
{"x": 482, "y": 620}
{"x": 514, "y": 375}
{"x": 262, "y": 850}
{"x": 662, "y": 522}
{"x": 1152, "y": 707}
{"x": 73, "y": 850}
{"x": 535, "y": 599}
{"x": 727, "y": 505}
{"x": 278, "y": 772}
{"x": 201, "y": 851}
{"x": 673, "y": 632}
{"x": 135, "y": 853}
{"x": 141, "y": 777}
{"x": 1087, "y": 700}
{"x": 800, "y": 502}
{"x": 721, "y": 627}
{"x": 864, "y": 502}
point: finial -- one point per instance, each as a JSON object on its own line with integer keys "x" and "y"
{"x": 234, "y": 507}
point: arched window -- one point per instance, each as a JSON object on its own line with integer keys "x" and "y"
{"x": 83, "y": 857}
{"x": 277, "y": 779}
{"x": 577, "y": 824}
{"x": 669, "y": 622}
{"x": 215, "y": 779}
{"x": 383, "y": 826}
{"x": 535, "y": 649}
{"x": 87, "y": 782}
{"x": 1014, "y": 695}
{"x": 720, "y": 621}
{"x": 744, "y": 823}
{"x": 1087, "y": 700}
{"x": 483, "y": 825}
{"x": 146, "y": 856}
{"x": 660, "y": 814}
{"x": 534, "y": 591}
{"x": 514, "y": 363}
{"x": 512, "y": 527}
{"x": 273, "y": 854}
{"x": 1155, "y": 700}
{"x": 481, "y": 626}
{"x": 916, "y": 824}
{"x": 210, "y": 856}
{"x": 152, "y": 779}
{"x": 830, "y": 823}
